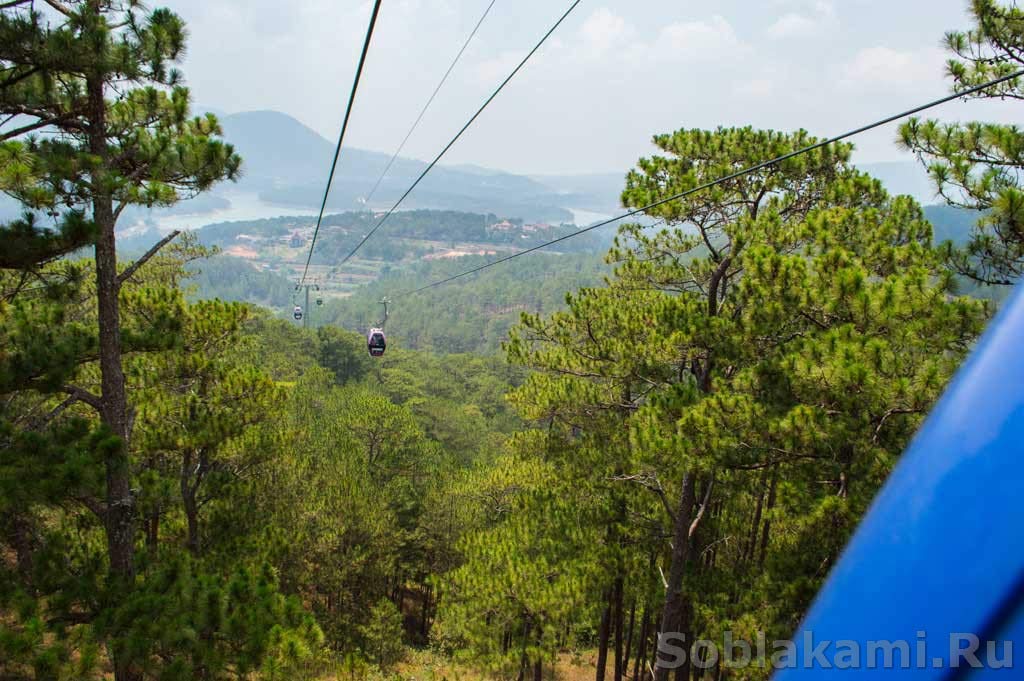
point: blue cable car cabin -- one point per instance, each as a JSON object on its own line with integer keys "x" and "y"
{"x": 376, "y": 342}
{"x": 939, "y": 558}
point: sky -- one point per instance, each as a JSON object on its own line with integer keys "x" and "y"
{"x": 614, "y": 74}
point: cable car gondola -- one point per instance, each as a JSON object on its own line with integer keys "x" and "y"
{"x": 297, "y": 313}
{"x": 376, "y": 342}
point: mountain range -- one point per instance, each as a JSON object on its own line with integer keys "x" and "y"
{"x": 285, "y": 165}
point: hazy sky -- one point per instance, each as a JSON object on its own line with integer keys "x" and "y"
{"x": 614, "y": 74}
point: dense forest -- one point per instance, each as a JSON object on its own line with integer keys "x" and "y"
{"x": 341, "y": 232}
{"x": 236, "y": 280}
{"x": 554, "y": 462}
{"x": 474, "y": 314}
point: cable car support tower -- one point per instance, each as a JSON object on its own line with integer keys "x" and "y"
{"x": 305, "y": 307}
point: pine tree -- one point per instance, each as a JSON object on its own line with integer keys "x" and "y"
{"x": 778, "y": 367}
{"x": 978, "y": 165}
{"x": 195, "y": 402}
{"x": 100, "y": 75}
{"x": 383, "y": 634}
{"x": 531, "y": 563}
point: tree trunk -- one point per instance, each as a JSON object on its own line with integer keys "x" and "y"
{"x": 602, "y": 640}
{"x": 192, "y": 519}
{"x": 641, "y": 656}
{"x": 524, "y": 661}
{"x": 675, "y": 617}
{"x": 19, "y": 531}
{"x": 686, "y": 628}
{"x": 153, "y": 535}
{"x": 768, "y": 523}
{"x": 629, "y": 638}
{"x": 538, "y": 665}
{"x": 189, "y": 505}
{"x": 120, "y": 503}
{"x": 426, "y": 613}
{"x": 617, "y": 604}
{"x": 750, "y": 550}
{"x": 395, "y": 588}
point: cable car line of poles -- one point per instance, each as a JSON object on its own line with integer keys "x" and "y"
{"x": 733, "y": 176}
{"x": 341, "y": 136}
{"x": 376, "y": 341}
{"x": 301, "y": 314}
{"x": 461, "y": 132}
{"x": 430, "y": 101}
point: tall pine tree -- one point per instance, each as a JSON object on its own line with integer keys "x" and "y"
{"x": 96, "y": 121}
{"x": 977, "y": 165}
{"x": 782, "y": 336}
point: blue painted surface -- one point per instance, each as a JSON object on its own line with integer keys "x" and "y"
{"x": 996, "y": 668}
{"x": 942, "y": 548}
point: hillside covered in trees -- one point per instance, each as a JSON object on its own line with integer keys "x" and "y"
{"x": 553, "y": 463}
{"x": 278, "y": 248}
{"x": 473, "y": 314}
{"x": 470, "y": 315}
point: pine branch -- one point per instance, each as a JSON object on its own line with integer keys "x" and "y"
{"x": 44, "y": 421}
{"x": 60, "y": 7}
{"x": 703, "y": 507}
{"x": 98, "y": 508}
{"x": 46, "y": 118}
{"x": 133, "y": 268}
{"x": 25, "y": 129}
{"x": 83, "y": 395}
{"x": 650, "y": 482}
{"x": 14, "y": 80}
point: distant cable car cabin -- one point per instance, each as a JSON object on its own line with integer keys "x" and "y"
{"x": 297, "y": 313}
{"x": 376, "y": 343}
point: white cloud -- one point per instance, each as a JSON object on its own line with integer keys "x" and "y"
{"x": 722, "y": 62}
{"x": 603, "y": 39}
{"x": 820, "y": 18}
{"x": 606, "y": 46}
{"x": 604, "y": 29}
{"x": 696, "y": 40}
{"x": 755, "y": 88}
{"x": 790, "y": 25}
{"x": 492, "y": 71}
{"x": 885, "y": 68}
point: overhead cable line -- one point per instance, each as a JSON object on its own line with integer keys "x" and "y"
{"x": 733, "y": 176}
{"x": 341, "y": 136}
{"x": 430, "y": 101}
{"x": 461, "y": 132}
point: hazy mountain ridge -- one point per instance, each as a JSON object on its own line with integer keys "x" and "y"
{"x": 286, "y": 162}
{"x": 285, "y": 165}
